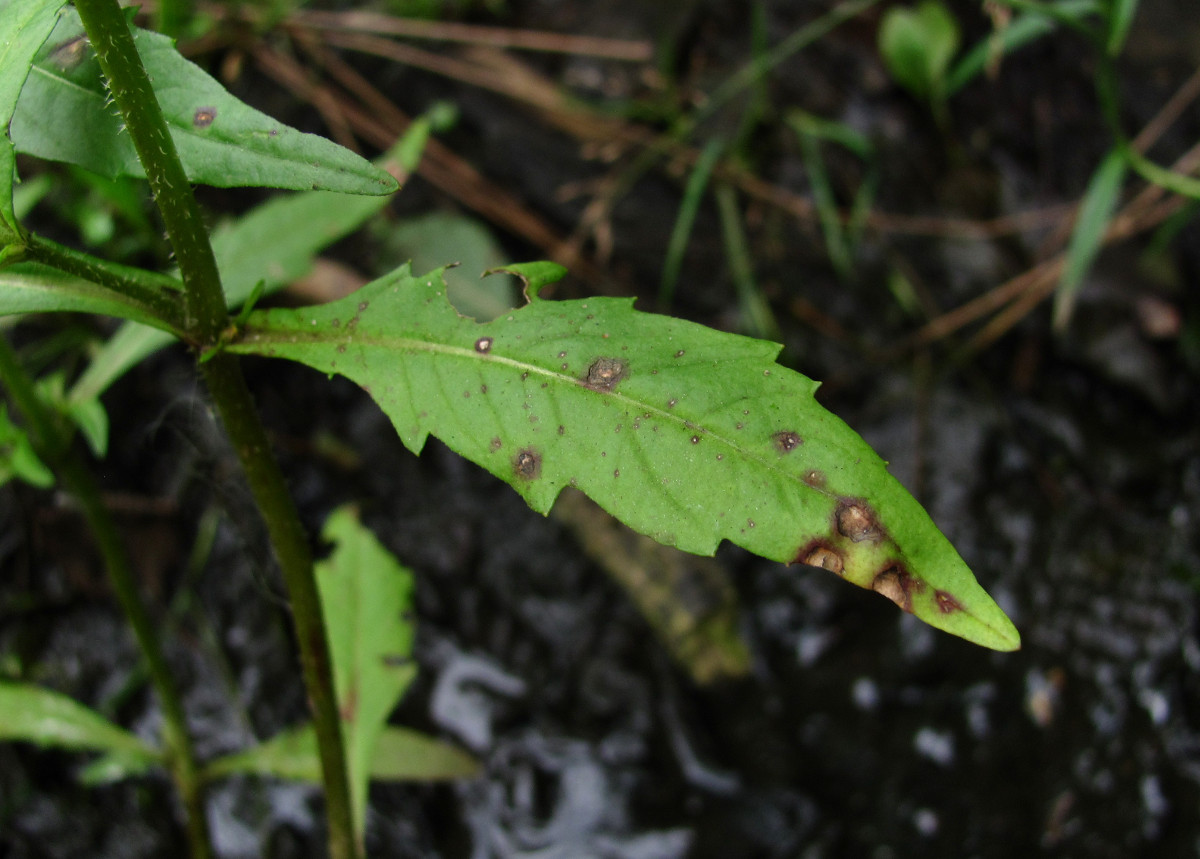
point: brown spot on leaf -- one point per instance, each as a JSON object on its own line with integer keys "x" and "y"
{"x": 898, "y": 585}
{"x": 786, "y": 441}
{"x": 527, "y": 464}
{"x": 203, "y": 117}
{"x": 605, "y": 373}
{"x": 817, "y": 554}
{"x": 815, "y": 478}
{"x": 484, "y": 345}
{"x": 495, "y": 444}
{"x": 946, "y": 603}
{"x": 856, "y": 521}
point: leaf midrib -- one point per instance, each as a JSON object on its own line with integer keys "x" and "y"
{"x": 268, "y": 335}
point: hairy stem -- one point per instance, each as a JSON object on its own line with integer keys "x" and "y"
{"x": 205, "y": 318}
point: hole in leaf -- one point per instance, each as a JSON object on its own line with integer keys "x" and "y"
{"x": 898, "y": 585}
{"x": 817, "y": 554}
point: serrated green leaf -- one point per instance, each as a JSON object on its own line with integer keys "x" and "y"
{"x": 63, "y": 115}
{"x": 29, "y": 288}
{"x": 688, "y": 435}
{"x": 366, "y": 599}
{"x": 33, "y": 714}
{"x": 401, "y": 755}
{"x": 1095, "y": 211}
{"x": 24, "y": 27}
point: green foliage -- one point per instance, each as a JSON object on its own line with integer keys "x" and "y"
{"x": 367, "y": 600}
{"x": 32, "y": 714}
{"x": 366, "y": 596}
{"x": 686, "y": 434}
{"x": 1028, "y": 26}
{"x": 17, "y": 456}
{"x": 840, "y": 236}
{"x": 1120, "y": 18}
{"x": 917, "y": 46}
{"x": 1095, "y": 211}
{"x": 63, "y": 115}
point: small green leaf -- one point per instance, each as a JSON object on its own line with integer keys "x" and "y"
{"x": 24, "y": 27}
{"x": 400, "y": 755}
{"x": 114, "y": 767}
{"x": 33, "y": 714}
{"x": 1120, "y": 17}
{"x": 405, "y": 755}
{"x": 686, "y": 434}
{"x": 917, "y": 46}
{"x": 92, "y": 420}
{"x": 1095, "y": 211}
{"x": 366, "y": 598}
{"x": 17, "y": 457}
{"x": 63, "y": 115}
{"x": 290, "y": 754}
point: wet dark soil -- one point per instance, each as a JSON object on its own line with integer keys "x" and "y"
{"x": 1064, "y": 466}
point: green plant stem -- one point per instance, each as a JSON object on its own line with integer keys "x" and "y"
{"x": 236, "y": 406}
{"x": 53, "y": 444}
{"x": 204, "y": 303}
{"x": 206, "y": 317}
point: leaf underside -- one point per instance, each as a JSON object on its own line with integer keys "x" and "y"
{"x": 689, "y": 435}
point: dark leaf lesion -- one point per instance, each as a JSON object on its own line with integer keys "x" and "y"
{"x": 604, "y": 374}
